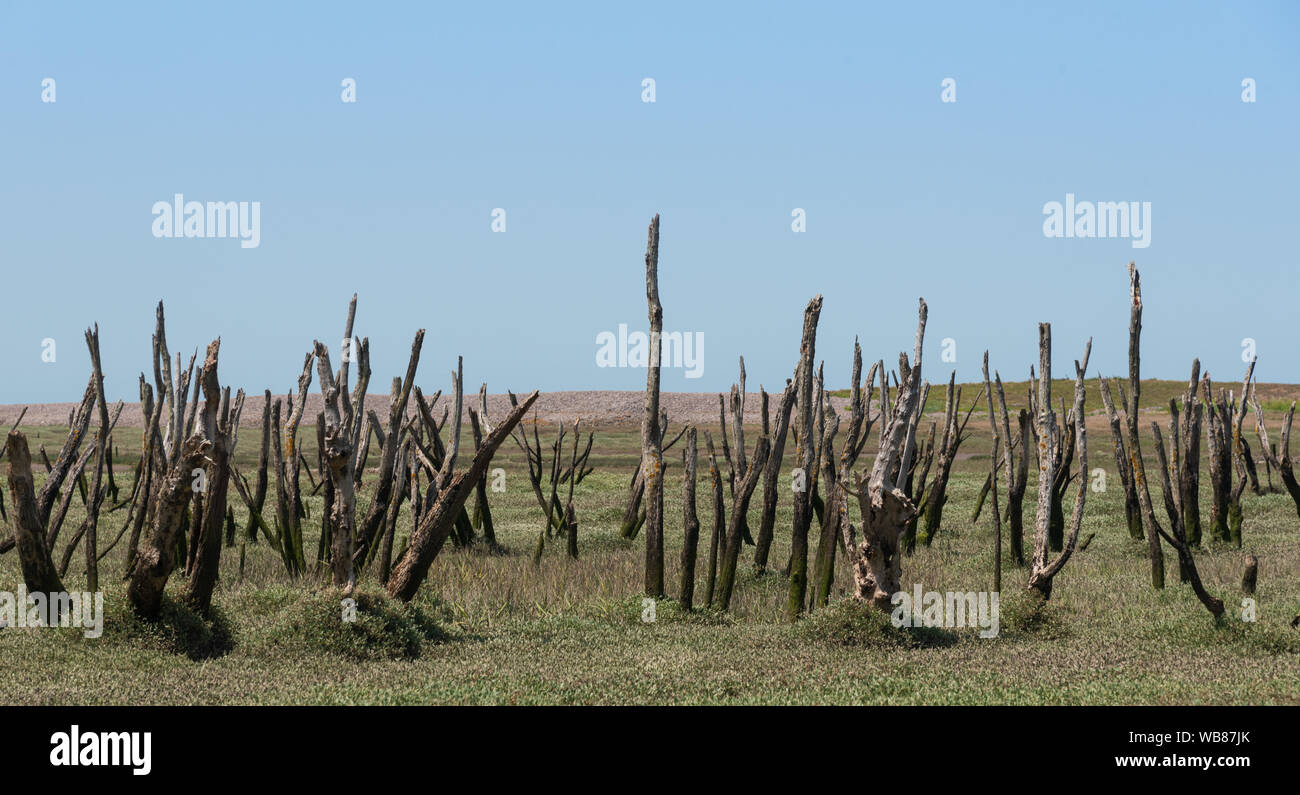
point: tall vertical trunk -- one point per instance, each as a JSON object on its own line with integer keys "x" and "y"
{"x": 1134, "y": 443}
{"x": 220, "y": 422}
{"x": 805, "y": 455}
{"x": 652, "y": 465}
{"x": 719, "y": 523}
{"x": 690, "y": 521}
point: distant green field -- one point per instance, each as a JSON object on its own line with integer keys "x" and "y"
{"x": 507, "y": 632}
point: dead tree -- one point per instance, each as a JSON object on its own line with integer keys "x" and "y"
{"x": 1186, "y": 431}
{"x": 740, "y": 467}
{"x": 219, "y": 426}
{"x": 390, "y": 443}
{"x": 29, "y": 531}
{"x": 1223, "y": 430}
{"x": 1064, "y": 476}
{"x": 406, "y": 483}
{"x": 735, "y": 534}
{"x": 1178, "y": 539}
{"x": 573, "y": 473}
{"x": 690, "y": 521}
{"x": 828, "y": 425}
{"x": 859, "y": 428}
{"x": 993, "y": 479}
{"x": 482, "y": 510}
{"x": 1281, "y": 463}
{"x": 913, "y": 478}
{"x": 101, "y": 453}
{"x": 446, "y": 500}
{"x": 338, "y": 455}
{"x": 806, "y": 461}
{"x": 1017, "y": 471}
{"x": 652, "y": 464}
{"x": 954, "y": 433}
{"x": 288, "y": 500}
{"x": 155, "y": 562}
{"x": 1250, "y": 575}
{"x": 1241, "y": 452}
{"x": 258, "y": 500}
{"x": 719, "y": 523}
{"x": 877, "y": 562}
{"x": 772, "y": 478}
{"x": 556, "y": 519}
{"x": 1154, "y": 553}
{"x": 1043, "y": 571}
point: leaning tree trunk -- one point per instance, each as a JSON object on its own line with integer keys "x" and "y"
{"x": 428, "y": 538}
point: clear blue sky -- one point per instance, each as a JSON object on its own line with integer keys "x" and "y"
{"x": 462, "y": 108}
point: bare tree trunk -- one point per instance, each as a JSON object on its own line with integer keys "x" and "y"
{"x": 824, "y": 560}
{"x": 259, "y": 488}
{"x": 220, "y": 422}
{"x": 1250, "y": 575}
{"x": 1218, "y": 417}
{"x": 1017, "y": 472}
{"x": 154, "y": 564}
{"x": 690, "y": 521}
{"x": 1156, "y": 557}
{"x": 772, "y": 480}
{"x": 338, "y": 456}
{"x": 481, "y": 507}
{"x": 29, "y": 534}
{"x": 651, "y": 440}
{"x": 1188, "y": 459}
{"x": 805, "y": 455}
{"x": 739, "y": 508}
{"x": 719, "y": 522}
{"x": 993, "y": 480}
{"x": 1283, "y": 463}
{"x": 1043, "y": 572}
{"x": 1179, "y": 539}
{"x": 399, "y": 395}
{"x": 877, "y": 562}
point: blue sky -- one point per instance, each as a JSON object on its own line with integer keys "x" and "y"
{"x": 833, "y": 108}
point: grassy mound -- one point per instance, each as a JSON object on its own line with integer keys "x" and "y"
{"x": 178, "y": 630}
{"x": 380, "y": 628}
{"x": 850, "y": 622}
